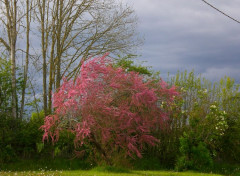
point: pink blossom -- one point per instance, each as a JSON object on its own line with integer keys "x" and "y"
{"x": 112, "y": 107}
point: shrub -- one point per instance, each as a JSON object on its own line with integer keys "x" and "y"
{"x": 193, "y": 155}
{"x": 110, "y": 109}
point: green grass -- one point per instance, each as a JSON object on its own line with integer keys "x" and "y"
{"x": 45, "y": 164}
{"x": 79, "y": 167}
{"x": 94, "y": 172}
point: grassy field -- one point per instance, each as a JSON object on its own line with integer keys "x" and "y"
{"x": 78, "y": 168}
{"x": 103, "y": 173}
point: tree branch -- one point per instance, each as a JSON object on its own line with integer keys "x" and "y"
{"x": 5, "y": 43}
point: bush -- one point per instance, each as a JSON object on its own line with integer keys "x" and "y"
{"x": 211, "y": 112}
{"x": 193, "y": 155}
{"x": 9, "y": 132}
{"x": 111, "y": 110}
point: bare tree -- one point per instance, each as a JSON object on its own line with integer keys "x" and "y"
{"x": 42, "y": 16}
{"x": 70, "y": 32}
{"x": 28, "y": 16}
{"x": 9, "y": 17}
{"x": 12, "y": 16}
{"x": 78, "y": 29}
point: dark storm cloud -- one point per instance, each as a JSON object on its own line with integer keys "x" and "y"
{"x": 188, "y": 34}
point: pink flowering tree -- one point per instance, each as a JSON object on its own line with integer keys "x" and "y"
{"x": 110, "y": 109}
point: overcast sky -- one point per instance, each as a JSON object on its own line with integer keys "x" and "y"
{"x": 189, "y": 34}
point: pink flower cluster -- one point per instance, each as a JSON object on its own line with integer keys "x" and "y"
{"x": 115, "y": 108}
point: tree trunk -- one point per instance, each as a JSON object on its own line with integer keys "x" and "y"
{"x": 59, "y": 29}
{"x": 11, "y": 14}
{"x": 101, "y": 150}
{"x": 51, "y": 76}
{"x": 44, "y": 41}
{"x": 26, "y": 60}
{"x": 13, "y": 75}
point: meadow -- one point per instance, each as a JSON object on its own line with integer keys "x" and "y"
{"x": 102, "y": 172}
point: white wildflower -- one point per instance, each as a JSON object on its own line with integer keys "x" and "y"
{"x": 213, "y": 106}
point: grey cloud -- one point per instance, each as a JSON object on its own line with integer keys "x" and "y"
{"x": 188, "y": 34}
{"x": 218, "y": 73}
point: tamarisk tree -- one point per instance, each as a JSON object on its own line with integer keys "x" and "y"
{"x": 109, "y": 109}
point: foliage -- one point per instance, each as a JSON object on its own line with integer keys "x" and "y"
{"x": 110, "y": 106}
{"x": 6, "y": 86}
{"x": 18, "y": 138}
{"x": 199, "y": 143}
{"x": 109, "y": 109}
{"x": 208, "y": 114}
{"x": 128, "y": 64}
{"x": 21, "y": 139}
{"x": 193, "y": 154}
{"x": 9, "y": 130}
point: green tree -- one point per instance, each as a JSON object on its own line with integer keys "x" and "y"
{"x": 5, "y": 87}
{"x": 128, "y": 64}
